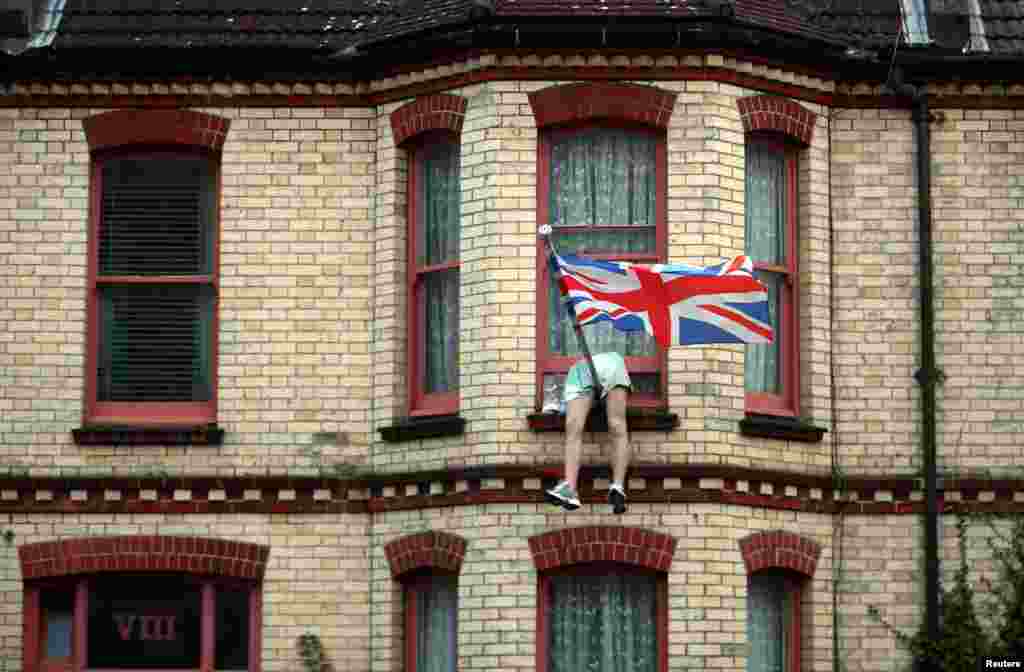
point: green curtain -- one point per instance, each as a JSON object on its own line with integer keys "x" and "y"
{"x": 601, "y": 178}
{"x": 603, "y": 623}
{"x": 766, "y": 243}
{"x": 438, "y": 231}
{"x": 436, "y": 600}
{"x": 769, "y": 605}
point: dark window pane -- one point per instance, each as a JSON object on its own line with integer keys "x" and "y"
{"x": 436, "y": 598}
{"x": 603, "y": 623}
{"x": 232, "y": 628}
{"x": 440, "y": 195}
{"x": 155, "y": 343}
{"x": 763, "y": 372}
{"x": 58, "y": 608}
{"x": 144, "y": 622}
{"x": 769, "y": 604}
{"x": 440, "y": 310}
{"x": 766, "y": 204}
{"x": 156, "y": 217}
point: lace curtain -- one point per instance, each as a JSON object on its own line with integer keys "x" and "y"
{"x": 601, "y": 178}
{"x": 438, "y": 232}
{"x": 766, "y": 243}
{"x": 769, "y": 605}
{"x": 603, "y": 623}
{"x": 436, "y": 598}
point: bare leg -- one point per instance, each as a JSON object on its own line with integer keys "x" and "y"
{"x": 575, "y": 420}
{"x": 619, "y": 432}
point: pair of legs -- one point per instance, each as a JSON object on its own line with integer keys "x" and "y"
{"x": 576, "y": 418}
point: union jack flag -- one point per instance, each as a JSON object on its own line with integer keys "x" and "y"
{"x": 676, "y": 304}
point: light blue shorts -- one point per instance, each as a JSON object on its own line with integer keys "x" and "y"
{"x": 611, "y": 371}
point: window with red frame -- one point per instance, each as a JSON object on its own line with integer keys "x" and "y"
{"x": 773, "y": 621}
{"x": 144, "y": 622}
{"x": 435, "y": 193}
{"x": 602, "y": 190}
{"x": 153, "y": 289}
{"x": 431, "y": 607}
{"x": 603, "y": 617}
{"x": 771, "y": 375}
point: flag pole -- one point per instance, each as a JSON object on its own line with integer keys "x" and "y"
{"x": 545, "y": 233}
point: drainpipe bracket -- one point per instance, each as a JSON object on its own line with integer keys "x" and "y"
{"x": 930, "y": 376}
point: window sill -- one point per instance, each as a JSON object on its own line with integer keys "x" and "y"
{"x": 138, "y": 435}
{"x": 637, "y": 420}
{"x": 774, "y": 427}
{"x": 431, "y": 427}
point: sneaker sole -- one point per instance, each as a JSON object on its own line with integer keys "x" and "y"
{"x": 560, "y": 501}
{"x": 618, "y": 507}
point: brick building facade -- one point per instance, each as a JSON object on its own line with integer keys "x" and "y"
{"x": 309, "y": 481}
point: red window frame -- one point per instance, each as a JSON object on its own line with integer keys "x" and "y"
{"x": 420, "y": 403}
{"x": 409, "y": 581}
{"x": 795, "y": 590}
{"x": 35, "y": 629}
{"x": 600, "y": 568}
{"x": 169, "y": 414}
{"x": 548, "y": 363}
{"x": 787, "y": 402}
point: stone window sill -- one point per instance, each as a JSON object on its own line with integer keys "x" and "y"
{"x": 638, "y": 420}
{"x": 411, "y": 429}
{"x": 136, "y": 435}
{"x": 773, "y": 427}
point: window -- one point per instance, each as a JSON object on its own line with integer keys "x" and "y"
{"x": 431, "y": 605}
{"x": 772, "y": 372}
{"x": 153, "y": 277}
{"x": 145, "y": 622}
{"x": 915, "y": 21}
{"x": 602, "y": 190}
{"x": 435, "y": 194}
{"x": 773, "y": 622}
{"x": 603, "y": 617}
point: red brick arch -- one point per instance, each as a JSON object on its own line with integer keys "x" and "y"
{"x": 437, "y": 112}
{"x": 180, "y": 128}
{"x": 90, "y": 555}
{"x": 771, "y": 113}
{"x": 596, "y": 543}
{"x": 780, "y": 549}
{"x": 440, "y": 550}
{"x": 595, "y": 101}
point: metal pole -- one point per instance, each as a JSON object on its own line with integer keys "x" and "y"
{"x": 545, "y": 233}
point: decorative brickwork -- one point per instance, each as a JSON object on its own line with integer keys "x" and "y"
{"x": 602, "y": 100}
{"x": 437, "y": 112}
{"x": 155, "y": 127}
{"x": 143, "y": 553}
{"x": 777, "y": 548}
{"x": 596, "y": 543}
{"x": 436, "y": 549}
{"x": 770, "y": 113}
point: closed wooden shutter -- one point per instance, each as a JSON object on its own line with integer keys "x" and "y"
{"x": 156, "y": 295}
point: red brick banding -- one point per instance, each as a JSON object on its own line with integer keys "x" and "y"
{"x": 601, "y": 101}
{"x": 780, "y": 549}
{"x": 599, "y": 543}
{"x": 435, "y": 549}
{"x": 141, "y": 553}
{"x": 771, "y": 113}
{"x": 436, "y": 112}
{"x": 178, "y": 128}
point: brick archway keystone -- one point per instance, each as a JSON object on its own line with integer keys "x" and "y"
{"x": 781, "y": 115}
{"x": 195, "y": 555}
{"x": 440, "y": 550}
{"x": 780, "y": 549}
{"x": 597, "y": 543}
{"x": 602, "y": 100}
{"x": 181, "y": 128}
{"x": 437, "y": 112}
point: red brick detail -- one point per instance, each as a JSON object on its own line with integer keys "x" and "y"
{"x": 195, "y": 555}
{"x": 436, "y": 549}
{"x": 436, "y": 112}
{"x": 770, "y": 113}
{"x": 597, "y": 543}
{"x": 779, "y": 549}
{"x": 156, "y": 127}
{"x": 602, "y": 101}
